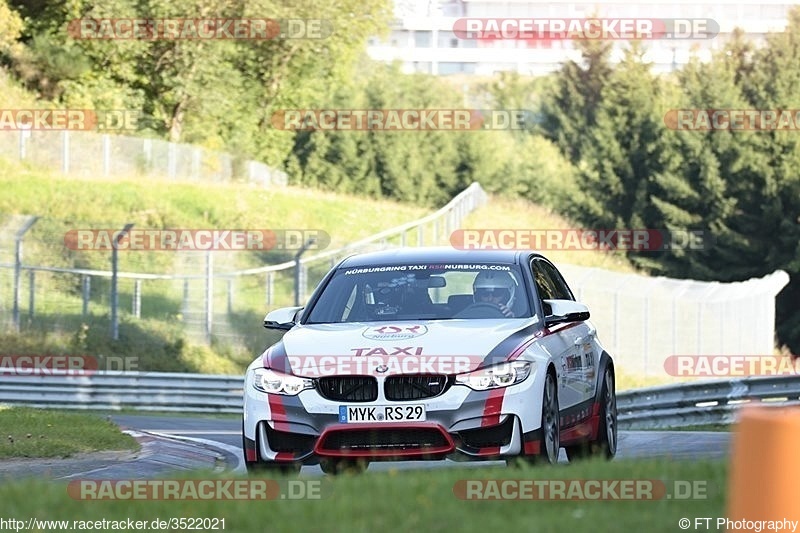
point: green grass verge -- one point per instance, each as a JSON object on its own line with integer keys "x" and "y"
{"x": 421, "y": 500}
{"x": 39, "y": 433}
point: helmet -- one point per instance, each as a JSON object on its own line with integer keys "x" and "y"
{"x": 495, "y": 284}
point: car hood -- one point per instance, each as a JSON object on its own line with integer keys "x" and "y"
{"x": 399, "y": 345}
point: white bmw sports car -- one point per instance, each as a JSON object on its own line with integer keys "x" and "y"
{"x": 431, "y": 353}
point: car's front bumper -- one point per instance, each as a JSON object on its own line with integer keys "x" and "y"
{"x": 460, "y": 424}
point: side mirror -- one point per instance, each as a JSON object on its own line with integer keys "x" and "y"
{"x": 564, "y": 311}
{"x": 284, "y": 318}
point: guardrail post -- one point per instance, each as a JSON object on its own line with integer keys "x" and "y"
{"x": 137, "y": 298}
{"x": 30, "y": 221}
{"x": 403, "y": 239}
{"x": 270, "y": 287}
{"x": 86, "y": 287}
{"x": 32, "y": 292}
{"x": 436, "y": 232}
{"x": 209, "y": 318}
{"x": 114, "y": 291}
{"x": 420, "y": 235}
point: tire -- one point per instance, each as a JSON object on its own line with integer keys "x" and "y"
{"x": 605, "y": 445}
{"x": 550, "y": 443}
{"x": 335, "y": 467}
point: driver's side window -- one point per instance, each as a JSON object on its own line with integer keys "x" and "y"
{"x": 544, "y": 284}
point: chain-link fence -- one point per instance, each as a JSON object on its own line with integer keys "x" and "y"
{"x": 222, "y": 296}
{"x": 46, "y": 285}
{"x": 91, "y": 155}
{"x": 644, "y": 320}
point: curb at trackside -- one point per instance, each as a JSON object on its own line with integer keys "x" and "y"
{"x": 226, "y": 449}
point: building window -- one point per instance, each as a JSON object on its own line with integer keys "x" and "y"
{"x": 422, "y": 39}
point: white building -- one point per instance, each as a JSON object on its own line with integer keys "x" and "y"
{"x": 422, "y": 36}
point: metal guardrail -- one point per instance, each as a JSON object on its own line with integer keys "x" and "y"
{"x": 681, "y": 405}
{"x": 702, "y": 403}
{"x": 139, "y": 391}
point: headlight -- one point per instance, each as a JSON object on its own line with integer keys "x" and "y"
{"x": 278, "y": 383}
{"x": 497, "y": 376}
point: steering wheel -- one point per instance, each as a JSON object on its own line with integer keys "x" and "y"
{"x": 478, "y": 310}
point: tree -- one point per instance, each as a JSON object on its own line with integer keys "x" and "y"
{"x": 570, "y": 109}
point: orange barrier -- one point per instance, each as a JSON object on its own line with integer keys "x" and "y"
{"x": 765, "y": 465}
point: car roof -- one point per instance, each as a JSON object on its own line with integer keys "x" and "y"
{"x": 432, "y": 254}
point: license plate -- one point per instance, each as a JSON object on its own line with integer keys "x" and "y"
{"x": 352, "y": 414}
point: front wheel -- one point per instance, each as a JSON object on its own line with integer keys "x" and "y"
{"x": 605, "y": 445}
{"x": 550, "y": 442}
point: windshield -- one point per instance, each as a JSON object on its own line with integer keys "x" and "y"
{"x": 422, "y": 292}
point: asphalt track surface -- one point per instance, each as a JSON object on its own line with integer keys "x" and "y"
{"x": 225, "y": 433}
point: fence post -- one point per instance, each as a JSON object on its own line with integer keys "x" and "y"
{"x": 106, "y": 155}
{"x": 270, "y": 287}
{"x": 209, "y": 296}
{"x": 230, "y": 295}
{"x": 147, "y": 150}
{"x": 114, "y": 291}
{"x": 196, "y": 157}
{"x": 172, "y": 163}
{"x": 65, "y": 152}
{"x": 30, "y": 221}
{"x": 303, "y": 281}
{"x": 297, "y": 256}
{"x": 137, "y": 298}
{"x": 185, "y": 309}
{"x": 677, "y": 296}
{"x": 23, "y": 136}
{"x": 86, "y": 286}
{"x": 31, "y": 294}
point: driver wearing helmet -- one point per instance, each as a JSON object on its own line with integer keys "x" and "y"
{"x": 496, "y": 288}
